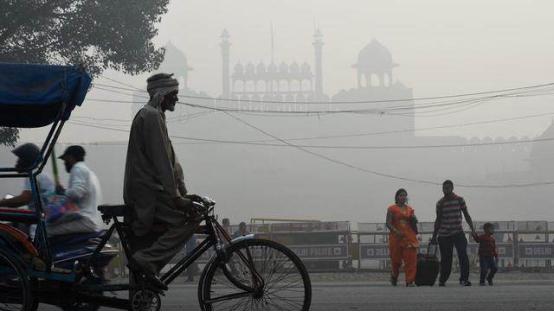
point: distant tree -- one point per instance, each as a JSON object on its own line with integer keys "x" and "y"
{"x": 99, "y": 34}
{"x": 8, "y": 136}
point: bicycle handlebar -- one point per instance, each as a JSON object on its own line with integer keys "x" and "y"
{"x": 205, "y": 203}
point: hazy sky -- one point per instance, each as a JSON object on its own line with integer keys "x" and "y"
{"x": 442, "y": 47}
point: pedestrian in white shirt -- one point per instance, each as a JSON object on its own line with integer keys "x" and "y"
{"x": 83, "y": 190}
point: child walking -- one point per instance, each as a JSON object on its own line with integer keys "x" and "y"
{"x": 488, "y": 257}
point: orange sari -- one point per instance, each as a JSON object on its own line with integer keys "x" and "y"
{"x": 403, "y": 248}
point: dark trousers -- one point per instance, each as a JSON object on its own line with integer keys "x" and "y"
{"x": 446, "y": 246}
{"x": 178, "y": 230}
{"x": 153, "y": 253}
{"x": 155, "y": 249}
{"x": 488, "y": 265}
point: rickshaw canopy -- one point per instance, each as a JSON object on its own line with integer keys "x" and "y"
{"x": 33, "y": 95}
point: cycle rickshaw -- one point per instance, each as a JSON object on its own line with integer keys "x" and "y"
{"x": 241, "y": 274}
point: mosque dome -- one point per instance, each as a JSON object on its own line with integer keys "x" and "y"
{"x": 374, "y": 57}
{"x": 174, "y": 61}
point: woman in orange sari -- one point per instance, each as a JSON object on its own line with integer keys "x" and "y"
{"x": 403, "y": 243}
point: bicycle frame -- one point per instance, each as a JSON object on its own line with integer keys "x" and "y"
{"x": 212, "y": 228}
{"x": 189, "y": 259}
{"x": 216, "y": 234}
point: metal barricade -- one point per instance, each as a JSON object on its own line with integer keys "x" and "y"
{"x": 526, "y": 245}
{"x": 322, "y": 246}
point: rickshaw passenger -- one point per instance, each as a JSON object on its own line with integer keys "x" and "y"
{"x": 27, "y": 154}
{"x": 154, "y": 186}
{"x": 84, "y": 190}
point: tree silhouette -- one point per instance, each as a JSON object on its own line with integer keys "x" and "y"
{"x": 9, "y": 136}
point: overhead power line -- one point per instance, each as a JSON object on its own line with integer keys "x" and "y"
{"x": 493, "y": 121}
{"x": 343, "y": 147}
{"x": 378, "y": 112}
{"x": 407, "y": 130}
{"x": 116, "y": 89}
{"x": 422, "y": 110}
{"x": 376, "y": 101}
{"x": 381, "y": 174}
{"x": 550, "y": 84}
{"x": 345, "y": 164}
{"x": 264, "y": 142}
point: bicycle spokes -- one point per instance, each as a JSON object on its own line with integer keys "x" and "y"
{"x": 274, "y": 278}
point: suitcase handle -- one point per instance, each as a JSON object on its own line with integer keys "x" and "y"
{"x": 429, "y": 248}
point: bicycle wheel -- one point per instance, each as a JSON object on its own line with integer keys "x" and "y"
{"x": 15, "y": 289}
{"x": 257, "y": 274}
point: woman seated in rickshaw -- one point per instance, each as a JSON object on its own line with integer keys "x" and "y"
{"x": 27, "y": 154}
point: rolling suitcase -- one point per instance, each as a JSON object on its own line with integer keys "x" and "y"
{"x": 427, "y": 267}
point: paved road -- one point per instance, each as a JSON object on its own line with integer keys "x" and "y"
{"x": 506, "y": 295}
{"x": 525, "y": 295}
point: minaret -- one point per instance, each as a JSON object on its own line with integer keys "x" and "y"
{"x": 225, "y": 45}
{"x": 272, "y": 44}
{"x": 272, "y": 61}
{"x": 318, "y": 45}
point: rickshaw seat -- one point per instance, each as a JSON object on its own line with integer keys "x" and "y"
{"x": 110, "y": 211}
{"x": 69, "y": 247}
{"x": 18, "y": 215}
{"x": 65, "y": 240}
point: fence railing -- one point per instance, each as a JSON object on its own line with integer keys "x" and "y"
{"x": 333, "y": 246}
{"x": 520, "y": 244}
